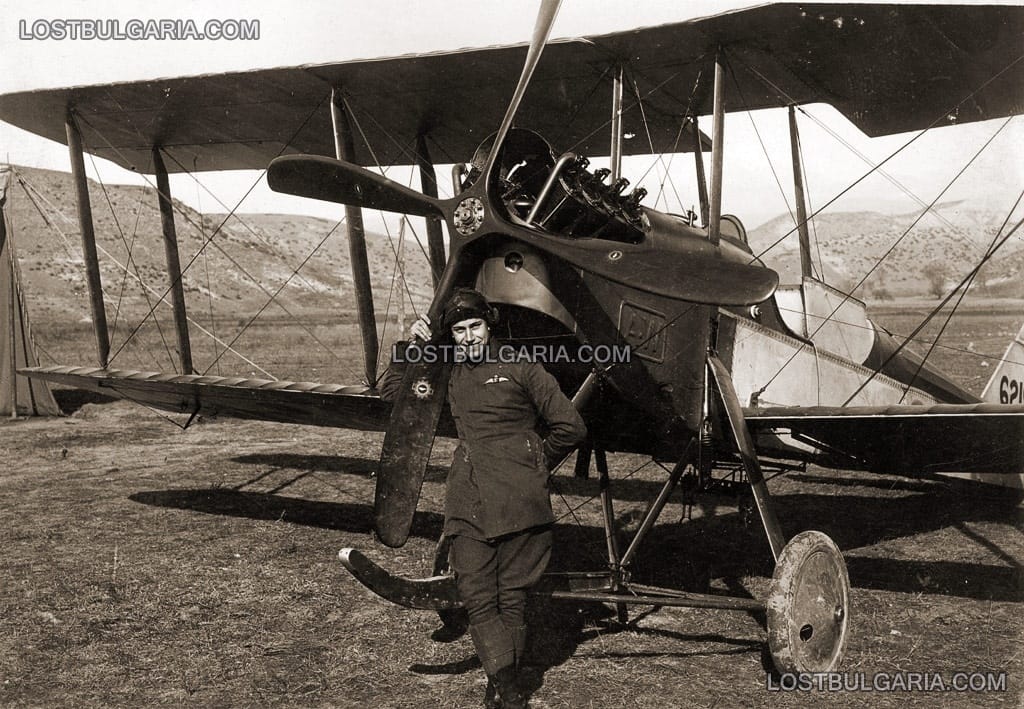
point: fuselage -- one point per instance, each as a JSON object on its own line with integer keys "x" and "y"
{"x": 806, "y": 345}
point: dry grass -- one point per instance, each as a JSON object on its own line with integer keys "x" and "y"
{"x": 145, "y": 565}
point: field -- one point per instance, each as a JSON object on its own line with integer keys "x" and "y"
{"x": 146, "y": 565}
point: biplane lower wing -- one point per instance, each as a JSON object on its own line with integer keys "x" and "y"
{"x": 907, "y": 440}
{"x": 357, "y": 407}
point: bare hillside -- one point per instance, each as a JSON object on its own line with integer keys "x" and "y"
{"x": 231, "y": 268}
{"x": 896, "y": 257}
{"x": 234, "y": 267}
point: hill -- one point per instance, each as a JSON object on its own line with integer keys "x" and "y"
{"x": 232, "y": 266}
{"x": 896, "y": 257}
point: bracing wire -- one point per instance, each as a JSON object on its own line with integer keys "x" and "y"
{"x": 129, "y": 250}
{"x": 161, "y": 299}
{"x": 881, "y": 259}
{"x": 210, "y": 240}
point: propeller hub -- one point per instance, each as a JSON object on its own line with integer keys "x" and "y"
{"x": 468, "y": 216}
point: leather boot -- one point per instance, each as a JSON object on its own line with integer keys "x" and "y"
{"x": 519, "y": 643}
{"x": 491, "y": 700}
{"x": 507, "y": 685}
{"x": 493, "y": 643}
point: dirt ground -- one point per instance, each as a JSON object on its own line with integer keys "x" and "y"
{"x": 146, "y": 565}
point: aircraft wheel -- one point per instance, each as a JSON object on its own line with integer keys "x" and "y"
{"x": 454, "y": 623}
{"x": 808, "y": 605}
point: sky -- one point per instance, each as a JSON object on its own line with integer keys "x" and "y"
{"x": 317, "y": 31}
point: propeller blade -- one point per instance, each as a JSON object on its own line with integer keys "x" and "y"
{"x": 410, "y": 435}
{"x": 702, "y": 272}
{"x": 414, "y": 416}
{"x": 338, "y": 181}
{"x": 406, "y": 450}
{"x": 541, "y": 31}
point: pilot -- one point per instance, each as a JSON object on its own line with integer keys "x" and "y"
{"x": 497, "y": 506}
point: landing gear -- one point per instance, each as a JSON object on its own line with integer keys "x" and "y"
{"x": 808, "y": 605}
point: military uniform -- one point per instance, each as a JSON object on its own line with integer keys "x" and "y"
{"x": 497, "y": 507}
{"x": 497, "y": 503}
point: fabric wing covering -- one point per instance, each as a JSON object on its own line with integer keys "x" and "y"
{"x": 888, "y": 68}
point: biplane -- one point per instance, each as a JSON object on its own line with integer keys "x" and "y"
{"x": 730, "y": 372}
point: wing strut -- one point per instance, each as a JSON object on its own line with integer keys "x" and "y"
{"x": 702, "y": 182}
{"x": 92, "y": 264}
{"x": 801, "y": 202}
{"x": 345, "y": 150}
{"x": 428, "y": 184}
{"x": 717, "y": 148}
{"x": 163, "y": 188}
{"x": 615, "y": 153}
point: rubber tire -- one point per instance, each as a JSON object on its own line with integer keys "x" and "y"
{"x": 810, "y": 568}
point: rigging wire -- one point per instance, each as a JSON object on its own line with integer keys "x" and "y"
{"x": 952, "y": 111}
{"x": 129, "y": 249}
{"x": 161, "y": 299}
{"x": 625, "y": 110}
{"x": 660, "y": 158}
{"x": 867, "y": 161}
{"x": 847, "y": 296}
{"x": 970, "y": 276}
{"x": 963, "y": 294}
{"x": 206, "y": 263}
{"x": 273, "y": 297}
{"x": 391, "y": 292}
{"x": 245, "y": 224}
{"x": 760, "y": 140}
{"x": 688, "y": 112}
{"x": 213, "y": 235}
{"x": 807, "y": 197}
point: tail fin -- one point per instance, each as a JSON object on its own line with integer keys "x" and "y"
{"x": 1007, "y": 383}
{"x": 1006, "y": 386}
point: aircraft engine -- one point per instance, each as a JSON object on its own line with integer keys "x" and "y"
{"x": 562, "y": 196}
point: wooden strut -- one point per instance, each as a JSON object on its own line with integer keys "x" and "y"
{"x": 615, "y": 152}
{"x": 92, "y": 266}
{"x": 163, "y": 187}
{"x": 717, "y": 149}
{"x": 345, "y": 150}
{"x": 702, "y": 183}
{"x": 801, "y": 203}
{"x": 428, "y": 184}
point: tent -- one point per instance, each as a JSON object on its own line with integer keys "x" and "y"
{"x": 19, "y": 396}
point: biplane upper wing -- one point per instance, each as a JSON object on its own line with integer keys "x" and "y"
{"x": 907, "y": 440}
{"x": 889, "y": 68}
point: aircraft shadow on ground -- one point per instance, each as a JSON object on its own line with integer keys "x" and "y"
{"x": 339, "y": 516}
{"x": 716, "y": 546}
{"x": 364, "y": 467}
{"x": 710, "y": 553}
